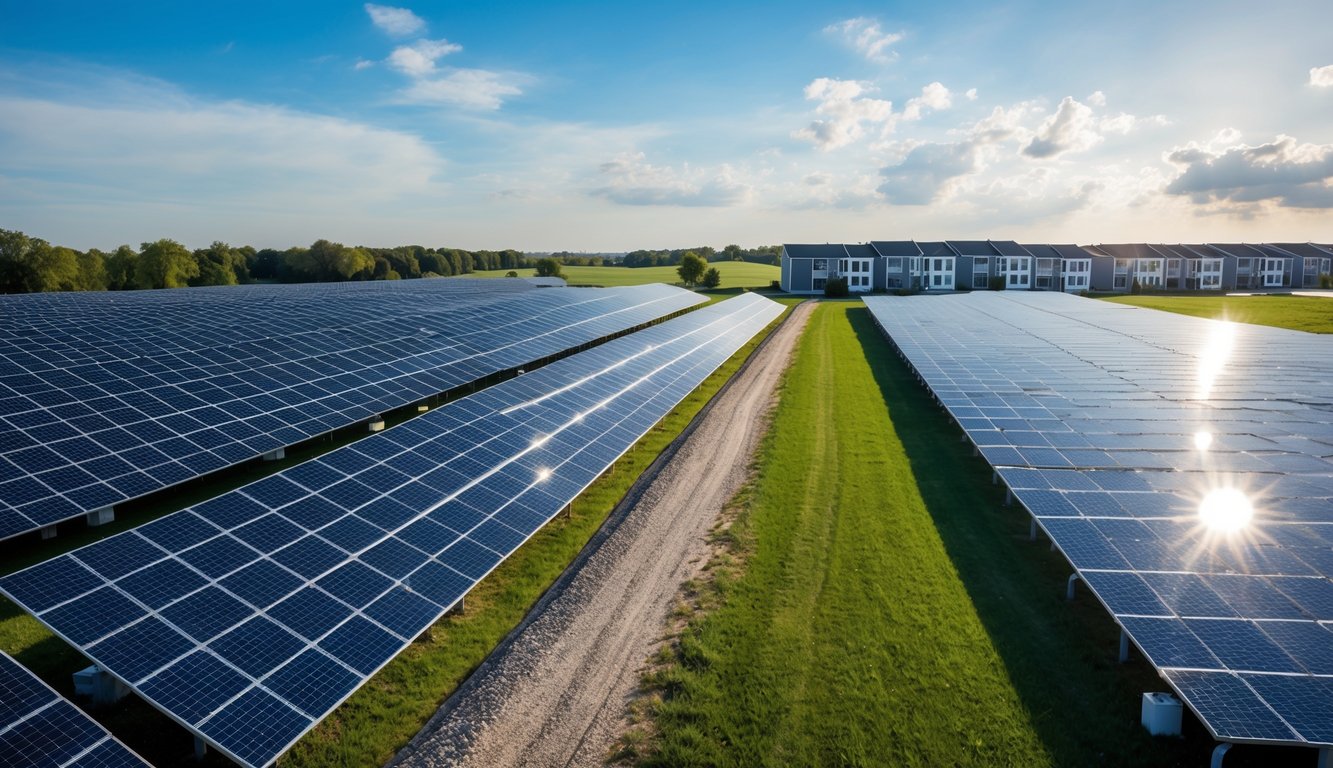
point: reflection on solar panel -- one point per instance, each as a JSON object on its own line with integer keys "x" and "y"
{"x": 249, "y": 617}
{"x": 1139, "y": 440}
{"x": 105, "y": 397}
{"x": 41, "y": 729}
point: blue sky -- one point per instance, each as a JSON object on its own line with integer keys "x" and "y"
{"x": 614, "y": 126}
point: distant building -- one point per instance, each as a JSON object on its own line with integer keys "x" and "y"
{"x": 954, "y": 265}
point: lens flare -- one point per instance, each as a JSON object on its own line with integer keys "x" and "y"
{"x": 1203, "y": 440}
{"x": 1226, "y": 510}
{"x": 543, "y": 474}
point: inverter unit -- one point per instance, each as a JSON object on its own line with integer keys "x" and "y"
{"x": 1161, "y": 714}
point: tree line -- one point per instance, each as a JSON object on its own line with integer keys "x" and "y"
{"x": 764, "y": 254}
{"x": 31, "y": 264}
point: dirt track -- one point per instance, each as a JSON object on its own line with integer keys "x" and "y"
{"x": 555, "y": 692}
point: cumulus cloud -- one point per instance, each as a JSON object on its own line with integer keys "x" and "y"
{"x": 927, "y": 169}
{"x": 399, "y": 22}
{"x": 1322, "y": 77}
{"x": 418, "y": 59}
{"x": 844, "y": 110}
{"x": 631, "y": 180}
{"x": 864, "y": 36}
{"x": 933, "y": 97}
{"x": 478, "y": 89}
{"x": 1283, "y": 172}
{"x": 1071, "y": 129}
{"x": 971, "y": 94}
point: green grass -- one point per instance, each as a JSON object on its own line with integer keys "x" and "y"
{"x": 385, "y": 713}
{"x": 1299, "y": 313}
{"x": 735, "y": 274}
{"x": 891, "y": 610}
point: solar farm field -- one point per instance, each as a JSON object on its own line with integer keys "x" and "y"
{"x": 1298, "y": 313}
{"x": 890, "y": 610}
{"x": 735, "y": 274}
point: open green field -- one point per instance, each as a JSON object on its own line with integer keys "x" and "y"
{"x": 735, "y": 274}
{"x": 385, "y": 713}
{"x": 891, "y": 610}
{"x": 1299, "y": 313}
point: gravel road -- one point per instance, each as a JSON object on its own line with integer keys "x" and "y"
{"x": 555, "y": 692}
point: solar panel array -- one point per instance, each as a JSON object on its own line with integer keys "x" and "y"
{"x": 41, "y": 729}
{"x": 249, "y": 617}
{"x": 105, "y": 397}
{"x": 1112, "y": 425}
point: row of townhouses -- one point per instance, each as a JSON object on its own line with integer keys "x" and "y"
{"x": 950, "y": 265}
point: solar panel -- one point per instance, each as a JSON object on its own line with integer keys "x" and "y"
{"x": 1118, "y": 429}
{"x": 248, "y": 617}
{"x": 39, "y": 728}
{"x": 105, "y": 397}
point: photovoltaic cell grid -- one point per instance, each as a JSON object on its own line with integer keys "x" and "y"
{"x": 1111, "y": 425}
{"x": 40, "y": 729}
{"x": 105, "y": 397}
{"x": 249, "y": 617}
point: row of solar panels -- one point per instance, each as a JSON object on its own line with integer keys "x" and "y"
{"x": 38, "y": 727}
{"x": 108, "y": 397}
{"x": 1113, "y": 426}
{"x": 249, "y": 617}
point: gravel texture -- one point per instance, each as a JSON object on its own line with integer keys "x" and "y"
{"x": 555, "y": 692}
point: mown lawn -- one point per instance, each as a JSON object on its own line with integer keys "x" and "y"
{"x": 385, "y": 713}
{"x": 735, "y": 274}
{"x": 891, "y": 611}
{"x": 1299, "y": 313}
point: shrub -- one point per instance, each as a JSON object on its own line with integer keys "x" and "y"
{"x": 511, "y": 273}
{"x": 835, "y": 287}
{"x": 1326, "y": 281}
{"x": 997, "y": 283}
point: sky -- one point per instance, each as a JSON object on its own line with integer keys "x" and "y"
{"x": 613, "y": 126}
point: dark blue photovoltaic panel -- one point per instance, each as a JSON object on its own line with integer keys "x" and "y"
{"x": 309, "y": 587}
{"x": 1125, "y": 397}
{"x": 125, "y": 396}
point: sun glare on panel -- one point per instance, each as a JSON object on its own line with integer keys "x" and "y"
{"x": 1203, "y": 440}
{"x": 1214, "y": 356}
{"x": 1226, "y": 510}
{"x": 543, "y": 474}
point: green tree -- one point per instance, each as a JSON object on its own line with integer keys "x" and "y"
{"x": 219, "y": 264}
{"x": 120, "y": 269}
{"x": 92, "y": 271}
{"x": 549, "y": 267}
{"x": 712, "y": 278}
{"x": 733, "y": 252}
{"x": 692, "y": 267}
{"x": 30, "y": 264}
{"x": 165, "y": 264}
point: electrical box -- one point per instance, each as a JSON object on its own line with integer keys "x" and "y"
{"x": 99, "y": 686}
{"x": 1161, "y": 714}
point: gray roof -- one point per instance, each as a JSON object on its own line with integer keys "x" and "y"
{"x": 1042, "y": 251}
{"x": 973, "y": 248}
{"x": 937, "y": 248}
{"x": 861, "y": 252}
{"x": 815, "y": 251}
{"x": 1236, "y": 249}
{"x": 1304, "y": 249}
{"x": 1130, "y": 250}
{"x": 896, "y": 247}
{"x": 1075, "y": 252}
{"x": 1009, "y": 248}
{"x": 1272, "y": 251}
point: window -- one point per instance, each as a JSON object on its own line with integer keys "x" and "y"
{"x": 979, "y": 262}
{"x": 821, "y": 264}
{"x": 842, "y": 265}
{"x": 979, "y": 280}
{"x": 894, "y": 265}
{"x": 819, "y": 283}
{"x": 1121, "y": 280}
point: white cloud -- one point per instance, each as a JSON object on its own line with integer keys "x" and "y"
{"x": 866, "y": 38}
{"x": 844, "y": 109}
{"x": 971, "y": 94}
{"x": 362, "y": 64}
{"x": 209, "y": 158}
{"x": 399, "y": 22}
{"x": 418, "y": 59}
{"x": 1282, "y": 172}
{"x": 478, "y": 89}
{"x": 925, "y": 173}
{"x": 1071, "y": 129}
{"x": 934, "y": 97}
{"x": 1097, "y": 99}
{"x": 631, "y": 180}
{"x": 1322, "y": 77}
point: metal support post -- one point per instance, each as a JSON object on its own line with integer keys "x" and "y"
{"x": 1219, "y": 752}
{"x": 1069, "y": 588}
{"x": 1124, "y": 646}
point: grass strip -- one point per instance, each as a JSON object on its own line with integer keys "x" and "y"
{"x": 1313, "y": 314}
{"x": 890, "y": 610}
